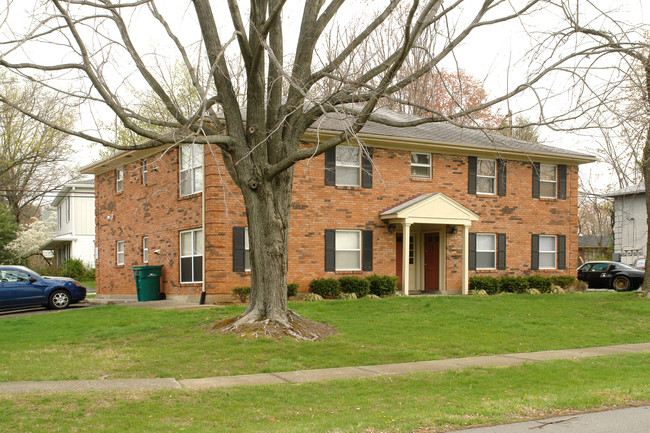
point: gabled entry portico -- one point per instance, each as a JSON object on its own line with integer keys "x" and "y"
{"x": 425, "y": 222}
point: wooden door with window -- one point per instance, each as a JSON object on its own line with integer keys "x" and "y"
{"x": 432, "y": 261}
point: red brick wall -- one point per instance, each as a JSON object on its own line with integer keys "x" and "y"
{"x": 155, "y": 210}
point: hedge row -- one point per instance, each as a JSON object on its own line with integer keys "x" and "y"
{"x": 379, "y": 285}
{"x": 242, "y": 293}
{"x": 508, "y": 284}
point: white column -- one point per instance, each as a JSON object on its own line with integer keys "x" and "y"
{"x": 465, "y": 286}
{"x": 406, "y": 236}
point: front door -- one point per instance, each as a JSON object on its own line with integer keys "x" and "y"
{"x": 432, "y": 261}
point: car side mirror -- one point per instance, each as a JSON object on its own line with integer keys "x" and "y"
{"x": 32, "y": 279}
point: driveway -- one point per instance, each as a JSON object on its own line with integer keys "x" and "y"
{"x": 33, "y": 311}
{"x": 627, "y": 420}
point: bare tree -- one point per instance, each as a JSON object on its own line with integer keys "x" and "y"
{"x": 30, "y": 152}
{"x": 285, "y": 93}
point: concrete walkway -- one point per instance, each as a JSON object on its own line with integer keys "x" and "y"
{"x": 315, "y": 375}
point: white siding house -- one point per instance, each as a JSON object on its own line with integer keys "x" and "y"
{"x": 75, "y": 234}
{"x": 630, "y": 224}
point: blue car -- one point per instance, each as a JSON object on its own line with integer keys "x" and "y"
{"x": 21, "y": 287}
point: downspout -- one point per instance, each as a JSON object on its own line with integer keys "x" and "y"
{"x": 202, "y": 299}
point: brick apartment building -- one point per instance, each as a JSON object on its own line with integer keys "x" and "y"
{"x": 433, "y": 204}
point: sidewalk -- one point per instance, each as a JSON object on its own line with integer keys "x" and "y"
{"x": 315, "y": 375}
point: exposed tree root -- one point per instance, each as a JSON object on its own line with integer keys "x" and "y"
{"x": 294, "y": 326}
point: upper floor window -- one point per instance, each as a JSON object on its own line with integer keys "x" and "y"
{"x": 348, "y": 166}
{"x": 119, "y": 179}
{"x": 486, "y": 176}
{"x": 547, "y": 181}
{"x": 192, "y": 256}
{"x": 119, "y": 253}
{"x": 59, "y": 215}
{"x": 191, "y": 169}
{"x": 67, "y": 209}
{"x": 144, "y": 171}
{"x": 421, "y": 165}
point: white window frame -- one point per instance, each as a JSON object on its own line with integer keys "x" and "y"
{"x": 416, "y": 164}
{"x": 195, "y": 182}
{"x": 359, "y": 250}
{"x": 543, "y": 181}
{"x": 494, "y": 251}
{"x": 145, "y": 249}
{"x": 195, "y": 278}
{"x": 59, "y": 216}
{"x": 549, "y": 252}
{"x": 119, "y": 250}
{"x": 247, "y": 251}
{"x": 119, "y": 179}
{"x": 144, "y": 171}
{"x": 67, "y": 209}
{"x": 344, "y": 165}
{"x": 479, "y": 176}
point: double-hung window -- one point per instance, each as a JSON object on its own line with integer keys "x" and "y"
{"x": 486, "y": 176}
{"x": 191, "y": 169}
{"x": 145, "y": 249}
{"x": 547, "y": 252}
{"x": 247, "y": 251}
{"x": 348, "y": 166}
{"x": 120, "y": 253}
{"x": 421, "y": 165}
{"x": 547, "y": 181}
{"x": 486, "y": 251}
{"x": 144, "y": 171}
{"x": 119, "y": 179}
{"x": 348, "y": 250}
{"x": 192, "y": 256}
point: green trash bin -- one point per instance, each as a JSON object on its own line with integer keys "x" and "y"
{"x": 147, "y": 282}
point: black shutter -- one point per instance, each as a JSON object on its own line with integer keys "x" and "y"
{"x": 561, "y": 183}
{"x": 535, "y": 253}
{"x": 501, "y": 177}
{"x": 366, "y": 167}
{"x": 561, "y": 252}
{"x": 472, "y": 251}
{"x": 330, "y": 250}
{"x": 367, "y": 251}
{"x": 535, "y": 179}
{"x": 330, "y": 167}
{"x": 238, "y": 249}
{"x": 471, "y": 175}
{"x": 501, "y": 251}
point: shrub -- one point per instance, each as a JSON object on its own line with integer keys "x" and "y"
{"x": 90, "y": 274}
{"x": 74, "y": 268}
{"x": 578, "y": 286}
{"x": 563, "y": 281}
{"x": 513, "y": 284}
{"x": 533, "y": 292}
{"x": 539, "y": 282}
{"x": 372, "y": 296}
{"x": 478, "y": 293}
{"x": 489, "y": 284}
{"x": 382, "y": 285}
{"x": 347, "y": 295}
{"x": 292, "y": 289}
{"x": 312, "y": 297}
{"x": 356, "y": 285}
{"x": 325, "y": 287}
{"x": 557, "y": 290}
{"x": 242, "y": 293}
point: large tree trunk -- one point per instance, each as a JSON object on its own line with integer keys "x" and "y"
{"x": 268, "y": 207}
{"x": 646, "y": 169}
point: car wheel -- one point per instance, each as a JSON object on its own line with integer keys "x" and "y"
{"x": 621, "y": 284}
{"x": 59, "y": 299}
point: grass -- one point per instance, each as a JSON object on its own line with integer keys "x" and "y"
{"x": 422, "y": 402}
{"x": 88, "y": 284}
{"x": 128, "y": 342}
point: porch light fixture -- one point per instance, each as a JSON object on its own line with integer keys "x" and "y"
{"x": 453, "y": 230}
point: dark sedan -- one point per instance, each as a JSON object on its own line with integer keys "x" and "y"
{"x": 22, "y": 287}
{"x": 611, "y": 275}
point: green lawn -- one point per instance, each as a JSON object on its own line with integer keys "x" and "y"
{"x": 125, "y": 342}
{"x": 423, "y": 402}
